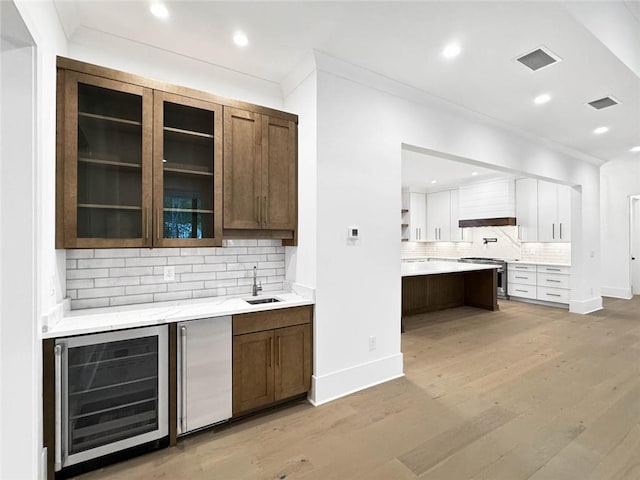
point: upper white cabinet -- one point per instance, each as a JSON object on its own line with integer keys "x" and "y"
{"x": 457, "y": 233}
{"x": 543, "y": 211}
{"x": 554, "y": 212}
{"x": 490, "y": 199}
{"x": 439, "y": 216}
{"x": 417, "y": 206}
{"x": 527, "y": 209}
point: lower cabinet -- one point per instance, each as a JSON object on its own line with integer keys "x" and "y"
{"x": 549, "y": 283}
{"x": 271, "y": 357}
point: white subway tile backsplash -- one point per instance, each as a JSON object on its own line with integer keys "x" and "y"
{"x": 100, "y": 263}
{"x": 99, "y": 278}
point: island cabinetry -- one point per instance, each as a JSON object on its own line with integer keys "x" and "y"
{"x": 260, "y": 175}
{"x": 271, "y": 357}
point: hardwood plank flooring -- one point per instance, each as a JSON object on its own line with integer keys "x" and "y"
{"x": 527, "y": 392}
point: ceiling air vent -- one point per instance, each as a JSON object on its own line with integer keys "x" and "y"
{"x": 538, "y": 59}
{"x": 603, "y": 103}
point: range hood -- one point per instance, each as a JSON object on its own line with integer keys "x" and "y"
{"x": 488, "y": 222}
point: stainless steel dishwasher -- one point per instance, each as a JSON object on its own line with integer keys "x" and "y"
{"x": 204, "y": 373}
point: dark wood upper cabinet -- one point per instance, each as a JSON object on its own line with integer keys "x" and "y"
{"x": 142, "y": 163}
{"x": 104, "y": 144}
{"x": 260, "y": 175}
{"x": 187, "y": 173}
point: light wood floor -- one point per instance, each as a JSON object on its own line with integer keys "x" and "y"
{"x": 528, "y": 392}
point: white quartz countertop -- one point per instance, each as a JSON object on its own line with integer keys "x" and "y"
{"x": 94, "y": 320}
{"x": 525, "y": 262}
{"x": 432, "y": 268}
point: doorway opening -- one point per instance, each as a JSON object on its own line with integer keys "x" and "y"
{"x": 634, "y": 243}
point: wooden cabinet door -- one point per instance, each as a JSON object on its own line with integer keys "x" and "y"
{"x": 104, "y": 162}
{"x": 293, "y": 361}
{"x": 252, "y": 371}
{"x": 242, "y": 169}
{"x": 187, "y": 164}
{"x": 279, "y": 175}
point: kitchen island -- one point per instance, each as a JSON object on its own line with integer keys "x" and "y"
{"x": 430, "y": 286}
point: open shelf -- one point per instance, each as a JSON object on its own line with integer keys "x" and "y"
{"x": 110, "y": 207}
{"x": 95, "y": 116}
{"x": 109, "y": 163}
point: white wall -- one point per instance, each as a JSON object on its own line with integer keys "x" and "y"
{"x": 619, "y": 179}
{"x": 363, "y": 119}
{"x": 121, "y": 54}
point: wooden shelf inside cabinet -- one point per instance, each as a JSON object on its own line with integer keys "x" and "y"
{"x": 110, "y": 207}
{"x": 109, "y": 163}
{"x": 123, "y": 121}
{"x": 191, "y": 133}
{"x": 188, "y": 210}
{"x": 185, "y": 169}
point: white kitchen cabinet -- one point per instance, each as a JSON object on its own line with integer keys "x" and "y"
{"x": 417, "y": 217}
{"x": 457, "y": 233}
{"x": 554, "y": 212}
{"x": 527, "y": 209}
{"x": 439, "y": 216}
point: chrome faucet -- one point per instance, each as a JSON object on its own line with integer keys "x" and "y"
{"x": 256, "y": 288}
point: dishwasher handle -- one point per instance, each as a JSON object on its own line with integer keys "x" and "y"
{"x": 183, "y": 379}
{"x": 57, "y": 351}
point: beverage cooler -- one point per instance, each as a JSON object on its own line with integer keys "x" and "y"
{"x": 111, "y": 393}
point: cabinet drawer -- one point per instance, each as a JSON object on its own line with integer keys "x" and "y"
{"x": 554, "y": 269}
{"x": 526, "y": 278}
{"x": 553, "y": 280}
{"x": 559, "y": 295}
{"x": 526, "y": 291}
{"x": 518, "y": 267}
{"x": 270, "y": 319}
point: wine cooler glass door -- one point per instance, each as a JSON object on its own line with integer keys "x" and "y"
{"x": 114, "y": 389}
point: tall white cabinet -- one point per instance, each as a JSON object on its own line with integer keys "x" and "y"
{"x": 527, "y": 209}
{"x": 439, "y": 216}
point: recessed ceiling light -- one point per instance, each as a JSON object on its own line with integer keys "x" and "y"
{"x": 240, "y": 39}
{"x": 474, "y": 173}
{"x": 159, "y": 10}
{"x": 540, "y": 99}
{"x": 601, "y": 130}
{"x": 434, "y": 181}
{"x": 635, "y": 149}
{"x": 452, "y": 50}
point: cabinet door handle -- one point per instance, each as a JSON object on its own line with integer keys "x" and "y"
{"x": 561, "y": 231}
{"x": 279, "y": 357}
{"x": 435, "y": 232}
{"x": 265, "y": 220}
{"x": 521, "y": 268}
{"x": 269, "y": 354}
{"x": 518, "y": 290}
{"x": 146, "y": 218}
{"x": 553, "y": 281}
{"x": 553, "y": 295}
{"x": 523, "y": 278}
{"x": 157, "y": 223}
{"x": 552, "y": 269}
{"x": 258, "y": 207}
{"x": 58, "y": 399}
{"x": 553, "y": 231}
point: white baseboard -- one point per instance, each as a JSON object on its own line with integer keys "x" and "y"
{"x": 586, "y": 306}
{"x": 332, "y": 386}
{"x": 617, "y": 292}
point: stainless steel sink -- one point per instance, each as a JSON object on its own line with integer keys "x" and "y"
{"x": 257, "y": 301}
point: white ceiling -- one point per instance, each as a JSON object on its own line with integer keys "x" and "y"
{"x": 403, "y": 41}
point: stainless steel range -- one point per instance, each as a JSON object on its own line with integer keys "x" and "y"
{"x": 502, "y": 272}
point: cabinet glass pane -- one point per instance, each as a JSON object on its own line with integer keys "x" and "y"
{"x": 188, "y": 158}
{"x": 113, "y": 392}
{"x": 109, "y": 163}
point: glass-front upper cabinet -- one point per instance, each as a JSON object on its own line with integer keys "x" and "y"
{"x": 187, "y": 171}
{"x": 106, "y": 157}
